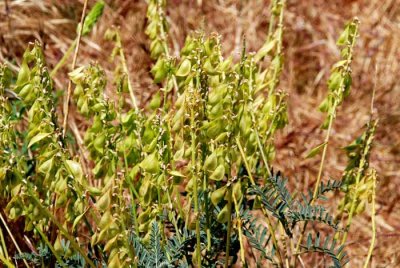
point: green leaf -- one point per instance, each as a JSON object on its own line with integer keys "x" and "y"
{"x": 38, "y": 138}
{"x": 77, "y": 219}
{"x": 176, "y": 173}
{"x": 316, "y": 150}
{"x": 264, "y": 50}
{"x": 92, "y": 17}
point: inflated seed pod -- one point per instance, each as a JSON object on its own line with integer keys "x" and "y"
{"x": 189, "y": 185}
{"x": 184, "y": 68}
{"x": 237, "y": 190}
{"x": 219, "y": 173}
{"x": 214, "y": 128}
{"x": 115, "y": 262}
{"x": 105, "y": 220}
{"x": 223, "y": 215}
{"x": 104, "y": 202}
{"x": 25, "y": 91}
{"x": 61, "y": 201}
{"x": 151, "y": 164}
{"x": 218, "y": 195}
{"x": 211, "y": 162}
{"x": 245, "y": 125}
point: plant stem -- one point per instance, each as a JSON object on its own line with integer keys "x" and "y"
{"x": 125, "y": 68}
{"x": 12, "y": 238}
{"x": 361, "y": 167}
{"x": 65, "y": 57}
{"x": 239, "y": 221}
{"x": 268, "y": 220}
{"x": 69, "y": 89}
{"x": 371, "y": 247}
{"x": 47, "y": 242}
{"x": 229, "y": 230}
{"x": 195, "y": 190}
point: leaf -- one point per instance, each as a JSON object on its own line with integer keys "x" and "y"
{"x": 77, "y": 219}
{"x": 264, "y": 50}
{"x": 316, "y": 150}
{"x": 38, "y": 138}
{"x": 176, "y": 173}
{"x": 92, "y": 17}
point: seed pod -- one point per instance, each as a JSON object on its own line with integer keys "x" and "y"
{"x": 61, "y": 201}
{"x": 189, "y": 186}
{"x": 180, "y": 101}
{"x": 334, "y": 81}
{"x": 61, "y": 185}
{"x": 57, "y": 246}
{"x": 211, "y": 162}
{"x": 218, "y": 195}
{"x": 155, "y": 101}
{"x": 110, "y": 244}
{"x": 216, "y": 111}
{"x": 150, "y": 164}
{"x": 245, "y": 125}
{"x": 105, "y": 220}
{"x": 156, "y": 49}
{"x": 223, "y": 215}
{"x": 237, "y": 191}
{"x": 104, "y": 202}
{"x": 218, "y": 173}
{"x": 25, "y": 90}
{"x": 207, "y": 66}
{"x": 23, "y": 75}
{"x": 46, "y": 166}
{"x": 195, "y": 258}
{"x": 221, "y": 137}
{"x": 184, "y": 68}
{"x": 214, "y": 128}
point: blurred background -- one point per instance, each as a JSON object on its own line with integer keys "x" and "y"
{"x": 311, "y": 30}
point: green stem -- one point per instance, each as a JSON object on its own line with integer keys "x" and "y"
{"x": 239, "y": 221}
{"x": 195, "y": 190}
{"x": 229, "y": 230}
{"x": 125, "y": 68}
{"x": 69, "y": 89}
{"x": 268, "y": 220}
{"x": 64, "y": 59}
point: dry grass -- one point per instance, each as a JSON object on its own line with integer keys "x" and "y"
{"x": 311, "y": 30}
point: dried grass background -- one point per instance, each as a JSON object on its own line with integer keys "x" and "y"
{"x": 311, "y": 29}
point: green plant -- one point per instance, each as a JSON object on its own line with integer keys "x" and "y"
{"x": 182, "y": 182}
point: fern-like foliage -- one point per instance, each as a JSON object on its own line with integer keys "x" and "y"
{"x": 153, "y": 255}
{"x": 43, "y": 257}
{"x": 275, "y": 197}
{"x": 259, "y": 238}
{"x": 338, "y": 256}
{"x": 323, "y": 188}
{"x": 307, "y": 212}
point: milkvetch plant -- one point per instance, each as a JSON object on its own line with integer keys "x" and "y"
{"x": 187, "y": 181}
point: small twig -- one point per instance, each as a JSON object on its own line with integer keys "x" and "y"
{"x": 69, "y": 90}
